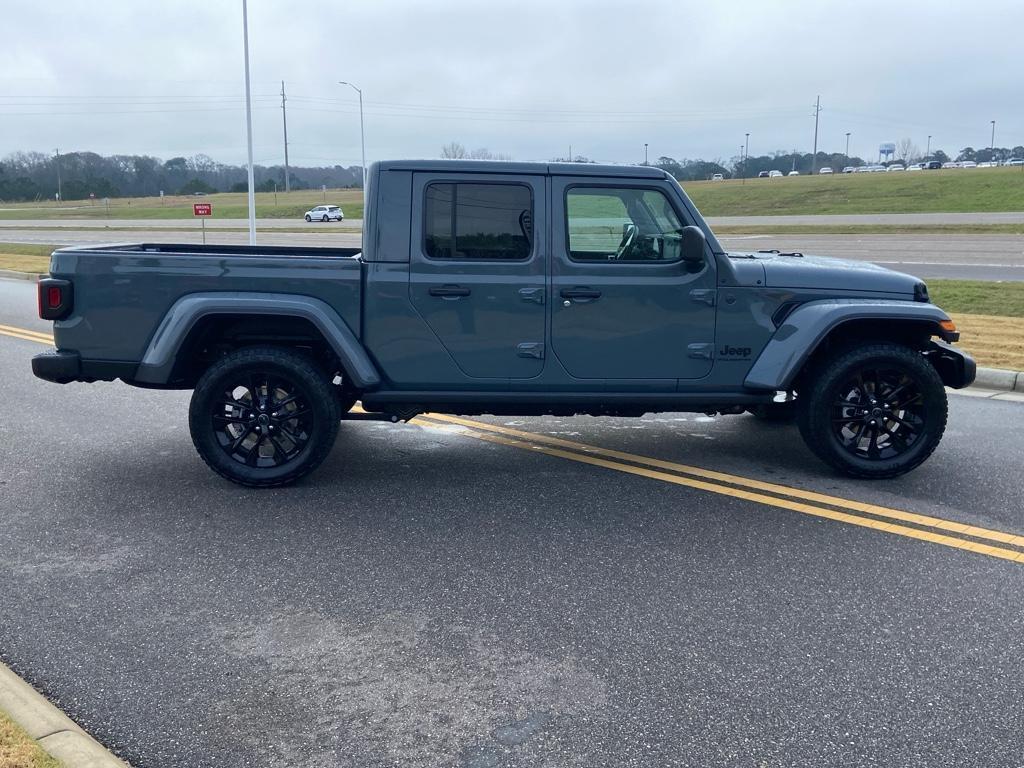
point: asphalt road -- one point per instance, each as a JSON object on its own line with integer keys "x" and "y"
{"x": 969, "y": 256}
{"x": 433, "y": 598}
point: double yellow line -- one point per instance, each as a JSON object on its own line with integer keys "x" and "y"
{"x": 985, "y": 541}
{"x": 999, "y": 544}
{"x": 26, "y": 335}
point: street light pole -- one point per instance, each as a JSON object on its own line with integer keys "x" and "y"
{"x": 992, "y": 146}
{"x": 847, "y": 146}
{"x": 362, "y": 137}
{"x": 248, "y": 125}
{"x": 746, "y": 154}
{"x": 928, "y": 150}
{"x": 59, "y": 195}
{"x": 645, "y": 153}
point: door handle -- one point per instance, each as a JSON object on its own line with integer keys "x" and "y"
{"x": 449, "y": 291}
{"x": 580, "y": 293}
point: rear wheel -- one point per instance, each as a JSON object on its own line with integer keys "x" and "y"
{"x": 873, "y": 411}
{"x": 325, "y": 218}
{"x": 264, "y": 416}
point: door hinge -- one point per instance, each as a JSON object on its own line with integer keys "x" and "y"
{"x": 704, "y": 296}
{"x": 702, "y": 351}
{"x": 536, "y": 295}
{"x": 531, "y": 349}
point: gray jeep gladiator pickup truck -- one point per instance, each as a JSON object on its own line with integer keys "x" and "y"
{"x": 508, "y": 288}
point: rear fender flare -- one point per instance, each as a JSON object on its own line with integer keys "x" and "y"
{"x": 181, "y": 318}
{"x": 806, "y": 327}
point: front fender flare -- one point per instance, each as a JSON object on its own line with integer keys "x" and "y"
{"x": 808, "y": 325}
{"x": 181, "y": 318}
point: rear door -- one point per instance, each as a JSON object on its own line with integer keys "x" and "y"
{"x": 477, "y": 270}
{"x": 624, "y": 306}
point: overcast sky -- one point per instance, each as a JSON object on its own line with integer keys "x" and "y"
{"x": 165, "y": 77}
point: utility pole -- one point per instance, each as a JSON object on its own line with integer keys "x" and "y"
{"x": 59, "y": 195}
{"x": 847, "y": 146}
{"x": 248, "y": 124}
{"x": 284, "y": 118}
{"x": 570, "y": 153}
{"x": 992, "y": 146}
{"x": 645, "y": 153}
{"x": 746, "y": 154}
{"x": 928, "y": 150}
{"x": 814, "y": 155}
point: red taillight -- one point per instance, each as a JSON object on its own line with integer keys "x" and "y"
{"x": 54, "y": 298}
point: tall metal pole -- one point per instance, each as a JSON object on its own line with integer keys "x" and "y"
{"x": 59, "y": 195}
{"x": 992, "y": 145}
{"x": 284, "y": 119}
{"x": 248, "y": 125}
{"x": 847, "y": 145}
{"x": 746, "y": 154}
{"x": 645, "y": 153}
{"x": 362, "y": 138}
{"x": 928, "y": 150}
{"x": 814, "y": 155}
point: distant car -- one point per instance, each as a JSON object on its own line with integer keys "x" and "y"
{"x": 1015, "y": 161}
{"x": 988, "y": 165}
{"x": 915, "y": 166}
{"x": 717, "y": 177}
{"x": 863, "y": 169}
{"x": 774, "y": 174}
{"x": 325, "y": 213}
{"x": 877, "y": 169}
{"x": 763, "y": 175}
{"x": 950, "y": 165}
{"x": 895, "y": 167}
{"x": 826, "y": 171}
{"x": 793, "y": 173}
{"x": 932, "y": 165}
{"x": 968, "y": 164}
{"x": 849, "y": 169}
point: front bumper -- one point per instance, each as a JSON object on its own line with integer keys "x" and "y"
{"x": 956, "y": 368}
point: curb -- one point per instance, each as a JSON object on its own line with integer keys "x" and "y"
{"x": 54, "y": 731}
{"x": 15, "y": 275}
{"x": 998, "y": 378}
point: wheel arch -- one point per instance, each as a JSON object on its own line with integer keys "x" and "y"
{"x": 816, "y": 328}
{"x": 197, "y": 321}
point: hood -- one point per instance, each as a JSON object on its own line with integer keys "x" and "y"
{"x": 820, "y": 272}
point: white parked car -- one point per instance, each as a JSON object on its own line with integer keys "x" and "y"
{"x": 793, "y": 173}
{"x": 968, "y": 164}
{"x": 325, "y": 213}
{"x": 774, "y": 174}
{"x": 895, "y": 167}
{"x": 915, "y": 166}
{"x": 950, "y": 165}
{"x": 849, "y": 169}
{"x": 1015, "y": 161}
{"x": 826, "y": 171}
{"x": 717, "y": 177}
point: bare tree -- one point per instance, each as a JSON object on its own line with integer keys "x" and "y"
{"x": 906, "y": 151}
{"x": 453, "y": 151}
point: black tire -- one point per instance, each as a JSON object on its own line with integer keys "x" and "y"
{"x": 308, "y": 218}
{"x": 783, "y": 412}
{"x": 264, "y": 416}
{"x": 873, "y": 411}
{"x": 325, "y": 218}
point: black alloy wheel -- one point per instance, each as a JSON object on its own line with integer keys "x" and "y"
{"x": 264, "y": 416}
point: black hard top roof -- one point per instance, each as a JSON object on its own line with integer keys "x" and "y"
{"x": 542, "y": 169}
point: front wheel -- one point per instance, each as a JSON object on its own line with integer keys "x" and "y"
{"x": 308, "y": 218}
{"x": 873, "y": 411}
{"x": 264, "y": 416}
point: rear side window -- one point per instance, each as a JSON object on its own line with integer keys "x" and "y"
{"x": 478, "y": 221}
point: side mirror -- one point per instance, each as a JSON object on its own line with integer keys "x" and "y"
{"x": 691, "y": 244}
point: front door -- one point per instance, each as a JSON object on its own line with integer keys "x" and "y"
{"x": 624, "y": 305}
{"x": 477, "y": 273}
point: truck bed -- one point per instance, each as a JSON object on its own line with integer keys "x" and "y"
{"x": 123, "y": 290}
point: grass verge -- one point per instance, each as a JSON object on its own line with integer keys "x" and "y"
{"x": 19, "y": 750}
{"x": 872, "y": 229}
{"x": 22, "y": 257}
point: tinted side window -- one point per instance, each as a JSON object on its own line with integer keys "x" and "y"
{"x": 478, "y": 221}
{"x": 621, "y": 224}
